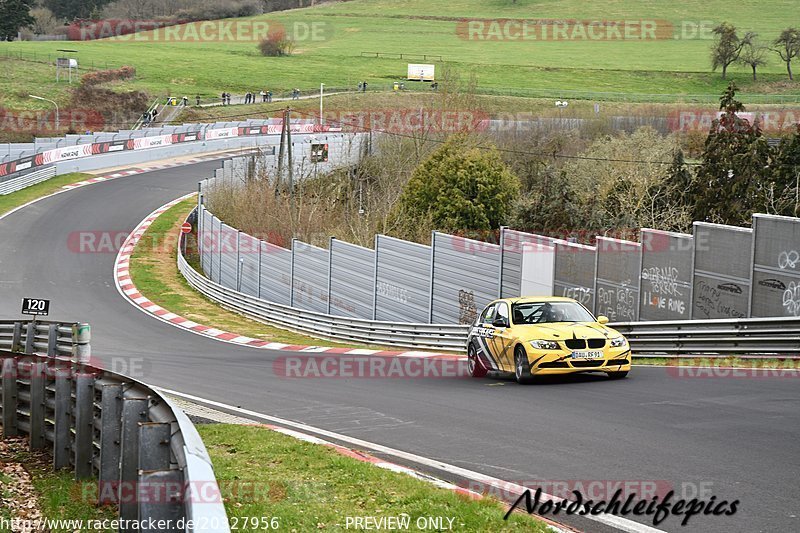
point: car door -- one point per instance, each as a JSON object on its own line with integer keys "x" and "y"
{"x": 502, "y": 341}
{"x": 484, "y": 337}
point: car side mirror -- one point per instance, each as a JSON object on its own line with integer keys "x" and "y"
{"x": 602, "y": 319}
{"x": 500, "y": 322}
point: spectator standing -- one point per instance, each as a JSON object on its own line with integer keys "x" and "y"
{"x": 228, "y": 97}
{"x": 198, "y": 99}
{"x": 223, "y": 98}
{"x": 364, "y": 87}
{"x": 269, "y": 96}
{"x": 185, "y": 101}
{"x": 263, "y": 95}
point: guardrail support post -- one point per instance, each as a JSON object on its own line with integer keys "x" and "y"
{"x": 10, "y": 397}
{"x": 62, "y": 436}
{"x": 37, "y": 440}
{"x": 170, "y": 485}
{"x": 84, "y": 425}
{"x": 134, "y": 412}
{"x": 110, "y": 424}
{"x": 16, "y": 337}
{"x": 52, "y": 340}
{"x": 30, "y": 337}
{"x": 154, "y": 447}
{"x": 81, "y": 338}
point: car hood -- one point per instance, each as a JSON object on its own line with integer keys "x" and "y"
{"x": 564, "y": 330}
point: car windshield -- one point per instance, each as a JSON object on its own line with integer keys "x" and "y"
{"x": 544, "y": 312}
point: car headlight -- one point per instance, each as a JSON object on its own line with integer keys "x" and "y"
{"x": 618, "y": 342}
{"x": 544, "y": 345}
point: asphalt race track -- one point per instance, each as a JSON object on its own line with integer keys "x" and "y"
{"x": 736, "y": 438}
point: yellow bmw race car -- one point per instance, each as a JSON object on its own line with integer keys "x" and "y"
{"x": 543, "y": 336}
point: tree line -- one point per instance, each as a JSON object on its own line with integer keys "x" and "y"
{"x": 730, "y": 47}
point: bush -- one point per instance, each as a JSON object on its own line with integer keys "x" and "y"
{"x": 275, "y": 45}
{"x": 459, "y": 188}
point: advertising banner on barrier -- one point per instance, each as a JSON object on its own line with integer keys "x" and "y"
{"x": 110, "y": 146}
{"x": 185, "y": 137}
{"x": 16, "y": 166}
{"x": 222, "y": 133}
{"x": 66, "y": 153}
{"x": 152, "y": 142}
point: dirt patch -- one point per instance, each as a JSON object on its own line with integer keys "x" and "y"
{"x": 18, "y": 497}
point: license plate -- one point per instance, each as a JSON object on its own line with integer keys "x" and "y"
{"x": 587, "y": 355}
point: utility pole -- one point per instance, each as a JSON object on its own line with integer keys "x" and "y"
{"x": 291, "y": 165}
{"x": 279, "y": 178}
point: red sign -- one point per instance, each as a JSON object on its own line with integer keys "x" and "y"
{"x": 186, "y": 228}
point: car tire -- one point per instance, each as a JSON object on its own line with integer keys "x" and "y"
{"x": 617, "y": 375}
{"x": 474, "y": 364}
{"x": 522, "y": 370}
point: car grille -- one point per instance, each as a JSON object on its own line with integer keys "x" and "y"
{"x": 588, "y": 364}
{"x": 596, "y": 343}
{"x": 580, "y": 344}
{"x": 616, "y": 362}
{"x": 554, "y": 364}
{"x": 576, "y": 344}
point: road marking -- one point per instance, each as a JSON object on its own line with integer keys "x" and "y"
{"x": 622, "y": 524}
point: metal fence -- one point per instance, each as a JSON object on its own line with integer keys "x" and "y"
{"x": 49, "y": 338}
{"x": 106, "y": 427}
{"x": 26, "y": 180}
{"x": 718, "y": 272}
{"x": 447, "y": 337}
{"x": 714, "y": 338}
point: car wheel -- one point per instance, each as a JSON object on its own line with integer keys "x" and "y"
{"x": 476, "y": 368}
{"x": 617, "y": 375}
{"x": 522, "y": 370}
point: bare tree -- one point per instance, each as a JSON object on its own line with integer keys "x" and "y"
{"x": 44, "y": 21}
{"x": 728, "y": 47}
{"x": 754, "y": 54}
{"x": 787, "y": 45}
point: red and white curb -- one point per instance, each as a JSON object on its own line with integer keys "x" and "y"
{"x": 128, "y": 290}
{"x": 140, "y": 170}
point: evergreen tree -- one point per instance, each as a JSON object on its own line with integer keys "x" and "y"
{"x": 735, "y": 177}
{"x": 14, "y": 15}
{"x": 787, "y": 181}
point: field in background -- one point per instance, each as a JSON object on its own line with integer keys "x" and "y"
{"x": 345, "y": 30}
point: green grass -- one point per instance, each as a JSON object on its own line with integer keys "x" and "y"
{"x": 154, "y": 271}
{"x": 60, "y": 495}
{"x": 308, "y": 487}
{"x": 673, "y": 66}
{"x": 16, "y": 199}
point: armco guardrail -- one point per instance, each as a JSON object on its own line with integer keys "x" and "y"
{"x": 144, "y": 452}
{"x": 46, "y": 338}
{"x": 750, "y": 336}
{"x": 443, "y": 337}
{"x": 26, "y": 180}
{"x": 779, "y": 337}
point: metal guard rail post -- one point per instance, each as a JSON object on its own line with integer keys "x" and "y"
{"x": 46, "y": 337}
{"x": 127, "y": 436}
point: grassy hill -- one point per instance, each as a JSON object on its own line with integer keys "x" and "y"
{"x": 668, "y": 65}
